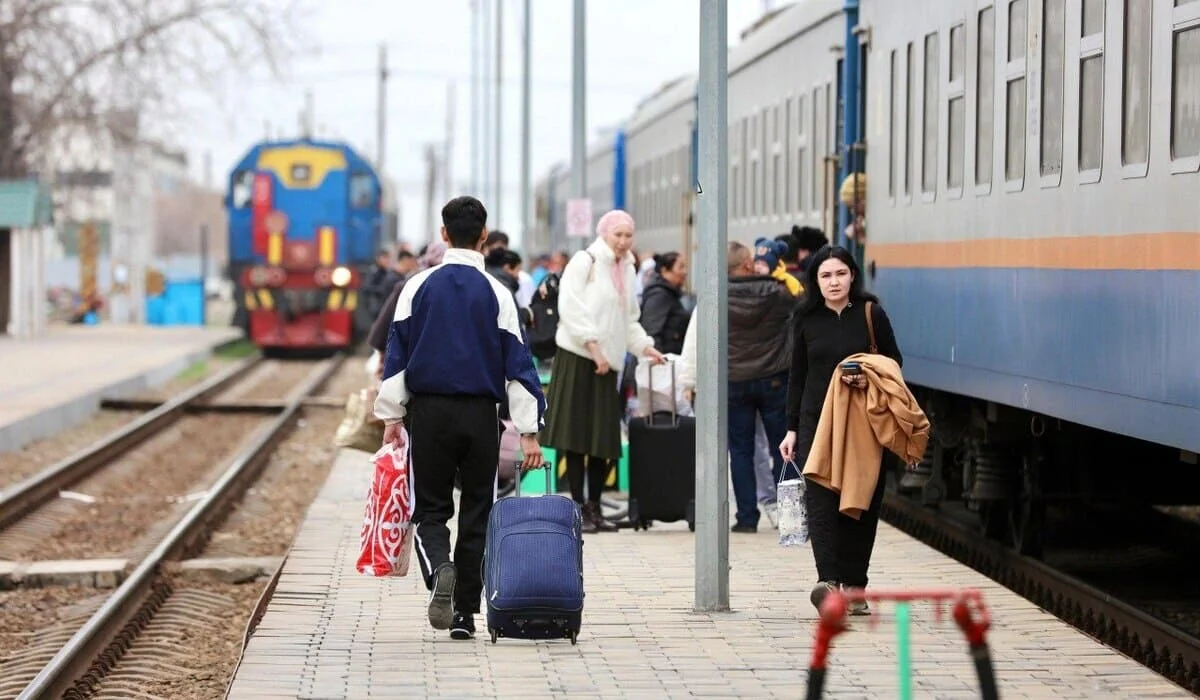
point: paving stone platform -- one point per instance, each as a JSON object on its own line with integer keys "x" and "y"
{"x": 53, "y": 382}
{"x": 331, "y": 633}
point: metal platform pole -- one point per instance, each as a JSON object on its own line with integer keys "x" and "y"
{"x": 579, "y": 110}
{"x": 712, "y": 456}
{"x": 526, "y": 155}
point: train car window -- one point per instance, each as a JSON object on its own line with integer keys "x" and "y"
{"x": 930, "y": 115}
{"x": 1092, "y": 21}
{"x": 743, "y": 201}
{"x": 956, "y": 147}
{"x": 1185, "y": 94}
{"x": 1135, "y": 136}
{"x": 985, "y": 98}
{"x": 763, "y": 154}
{"x": 801, "y": 152}
{"x": 242, "y": 190}
{"x": 1018, "y": 24}
{"x": 910, "y": 110}
{"x": 1091, "y": 113}
{"x": 892, "y": 142}
{"x": 773, "y": 190}
{"x": 362, "y": 191}
{"x": 818, "y": 164}
{"x": 1054, "y": 48}
{"x": 785, "y": 182}
{"x": 1015, "y": 101}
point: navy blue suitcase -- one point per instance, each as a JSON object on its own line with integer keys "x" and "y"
{"x": 533, "y": 568}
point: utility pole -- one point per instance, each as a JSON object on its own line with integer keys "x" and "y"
{"x": 381, "y": 116}
{"x": 712, "y": 457}
{"x": 475, "y": 99}
{"x": 498, "y": 186}
{"x": 485, "y": 108}
{"x": 448, "y": 154}
{"x": 431, "y": 183}
{"x": 579, "y": 107}
{"x": 526, "y": 155}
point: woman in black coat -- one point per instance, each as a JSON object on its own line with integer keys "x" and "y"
{"x": 831, "y": 324}
{"x": 663, "y": 315}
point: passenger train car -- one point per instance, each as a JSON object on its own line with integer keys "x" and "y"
{"x": 1031, "y": 217}
{"x": 305, "y": 222}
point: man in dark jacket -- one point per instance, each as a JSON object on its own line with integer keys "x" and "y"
{"x": 760, "y": 355}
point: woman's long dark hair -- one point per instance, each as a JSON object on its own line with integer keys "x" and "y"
{"x": 812, "y": 298}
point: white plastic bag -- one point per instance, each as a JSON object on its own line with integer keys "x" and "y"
{"x": 793, "y": 515}
{"x": 658, "y": 388}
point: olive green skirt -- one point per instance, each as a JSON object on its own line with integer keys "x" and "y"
{"x": 583, "y": 409}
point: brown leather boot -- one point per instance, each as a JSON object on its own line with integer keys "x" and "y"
{"x": 592, "y": 512}
{"x": 589, "y": 527}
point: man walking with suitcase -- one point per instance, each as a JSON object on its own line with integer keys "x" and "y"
{"x": 454, "y": 352}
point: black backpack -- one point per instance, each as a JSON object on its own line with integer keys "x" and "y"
{"x": 544, "y": 310}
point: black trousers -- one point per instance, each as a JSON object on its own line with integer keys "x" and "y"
{"x": 454, "y": 436}
{"x": 841, "y": 545}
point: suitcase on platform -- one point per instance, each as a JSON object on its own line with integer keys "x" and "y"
{"x": 662, "y": 467}
{"x": 533, "y": 568}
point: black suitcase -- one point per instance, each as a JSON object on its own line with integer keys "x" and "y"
{"x": 662, "y": 467}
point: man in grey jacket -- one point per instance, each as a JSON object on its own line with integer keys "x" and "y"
{"x": 760, "y": 354}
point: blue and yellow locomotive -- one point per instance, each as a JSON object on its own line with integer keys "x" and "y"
{"x": 305, "y": 222}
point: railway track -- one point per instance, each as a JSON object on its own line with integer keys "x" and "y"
{"x": 24, "y": 497}
{"x": 99, "y": 643}
{"x": 1153, "y": 642}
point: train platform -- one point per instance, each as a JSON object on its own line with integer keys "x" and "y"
{"x": 55, "y": 381}
{"x": 329, "y": 632}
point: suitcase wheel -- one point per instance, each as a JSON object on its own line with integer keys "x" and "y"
{"x": 574, "y": 636}
{"x": 493, "y": 633}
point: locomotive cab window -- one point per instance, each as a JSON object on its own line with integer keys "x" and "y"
{"x": 243, "y": 188}
{"x": 362, "y": 191}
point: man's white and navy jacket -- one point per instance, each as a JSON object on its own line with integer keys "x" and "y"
{"x": 456, "y": 333}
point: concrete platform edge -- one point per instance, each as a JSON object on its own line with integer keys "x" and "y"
{"x": 75, "y": 411}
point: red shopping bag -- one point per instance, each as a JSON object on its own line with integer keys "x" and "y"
{"x": 386, "y": 540}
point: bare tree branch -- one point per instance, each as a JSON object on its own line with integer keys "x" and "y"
{"x": 82, "y": 61}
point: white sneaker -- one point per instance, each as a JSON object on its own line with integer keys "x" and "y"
{"x": 771, "y": 510}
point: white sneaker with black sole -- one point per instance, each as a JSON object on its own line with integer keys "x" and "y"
{"x": 441, "y": 598}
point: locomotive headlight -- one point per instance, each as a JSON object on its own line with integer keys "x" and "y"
{"x": 341, "y": 276}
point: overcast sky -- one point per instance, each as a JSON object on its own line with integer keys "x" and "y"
{"x": 633, "y": 47}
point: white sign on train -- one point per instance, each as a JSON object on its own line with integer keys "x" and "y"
{"x": 579, "y": 218}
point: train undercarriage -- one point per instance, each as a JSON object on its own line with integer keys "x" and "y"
{"x": 1019, "y": 473}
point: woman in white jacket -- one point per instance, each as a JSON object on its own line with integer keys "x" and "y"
{"x": 597, "y": 324}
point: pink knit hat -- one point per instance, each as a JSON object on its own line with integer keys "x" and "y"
{"x": 613, "y": 219}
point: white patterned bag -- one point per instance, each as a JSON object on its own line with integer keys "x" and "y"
{"x": 793, "y": 516}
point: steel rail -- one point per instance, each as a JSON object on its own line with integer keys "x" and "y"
{"x": 25, "y": 496}
{"x": 102, "y": 640}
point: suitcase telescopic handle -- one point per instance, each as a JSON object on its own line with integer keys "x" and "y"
{"x": 650, "y": 377}
{"x": 518, "y": 474}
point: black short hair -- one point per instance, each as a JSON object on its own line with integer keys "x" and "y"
{"x": 494, "y": 257}
{"x": 511, "y": 257}
{"x": 464, "y": 219}
{"x": 497, "y": 237}
{"x": 404, "y": 255}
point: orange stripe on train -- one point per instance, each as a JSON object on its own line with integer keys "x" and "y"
{"x": 1137, "y": 251}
